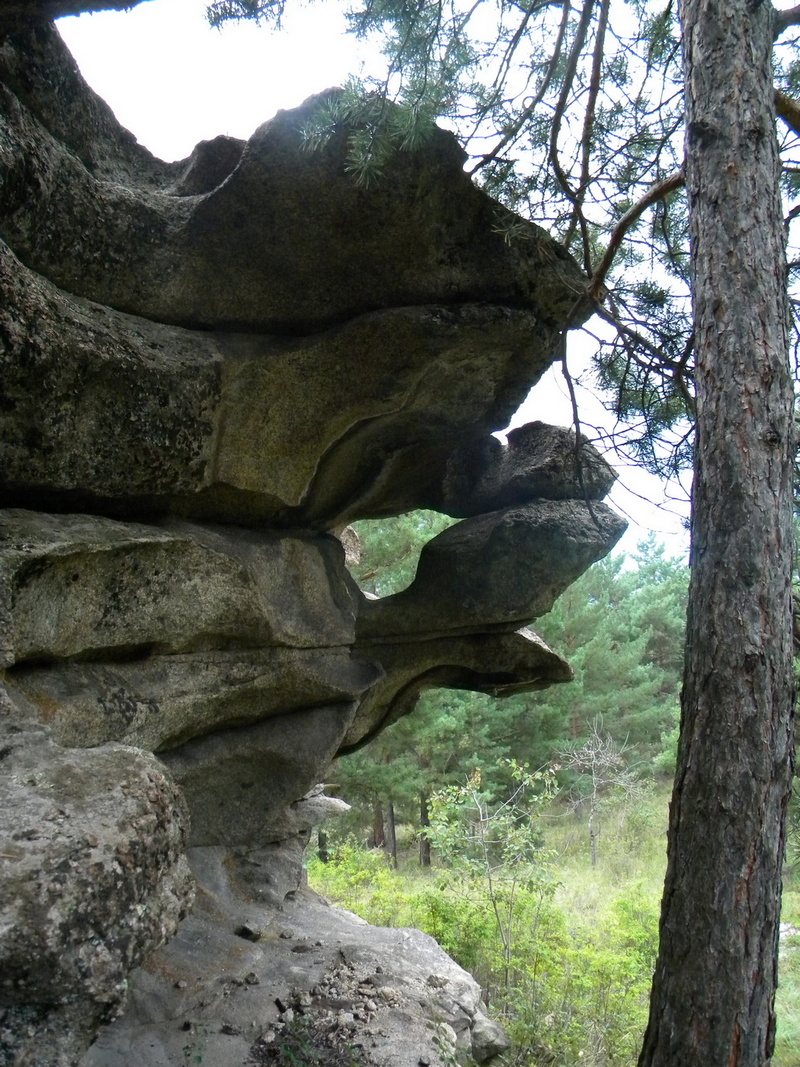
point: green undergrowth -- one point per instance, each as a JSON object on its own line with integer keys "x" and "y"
{"x": 564, "y": 951}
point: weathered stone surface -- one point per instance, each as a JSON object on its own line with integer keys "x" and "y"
{"x": 158, "y": 702}
{"x": 537, "y": 460}
{"x": 90, "y": 587}
{"x": 204, "y": 367}
{"x": 39, "y": 78}
{"x": 92, "y": 878}
{"x": 102, "y": 411}
{"x": 303, "y": 246}
{"x": 393, "y": 992}
{"x": 488, "y": 1038}
{"x": 501, "y": 664}
{"x": 499, "y": 569}
{"x": 265, "y": 875}
{"x": 238, "y": 782}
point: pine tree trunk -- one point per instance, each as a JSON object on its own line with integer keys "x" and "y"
{"x": 322, "y": 846}
{"x": 391, "y": 836}
{"x": 424, "y": 840}
{"x": 713, "y": 991}
{"x": 378, "y": 835}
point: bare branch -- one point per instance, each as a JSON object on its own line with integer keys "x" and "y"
{"x": 576, "y": 422}
{"x": 588, "y": 129}
{"x": 653, "y": 195}
{"x": 782, "y": 20}
{"x": 788, "y": 109}
{"x": 561, "y": 107}
{"x": 532, "y": 104}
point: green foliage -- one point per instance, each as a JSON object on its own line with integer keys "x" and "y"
{"x": 390, "y": 549}
{"x": 620, "y": 626}
{"x": 498, "y": 847}
{"x": 585, "y": 938}
{"x": 375, "y": 130}
{"x": 622, "y": 632}
{"x": 357, "y": 874}
{"x": 220, "y": 11}
{"x": 571, "y": 981}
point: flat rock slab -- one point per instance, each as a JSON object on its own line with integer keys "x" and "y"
{"x": 393, "y": 995}
{"x": 83, "y": 586}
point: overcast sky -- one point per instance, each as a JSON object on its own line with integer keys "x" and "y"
{"x": 174, "y": 81}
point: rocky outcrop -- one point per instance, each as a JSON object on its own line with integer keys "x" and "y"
{"x": 94, "y": 876}
{"x": 312, "y": 980}
{"x": 207, "y": 369}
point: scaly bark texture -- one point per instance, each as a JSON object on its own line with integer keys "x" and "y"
{"x": 713, "y": 992}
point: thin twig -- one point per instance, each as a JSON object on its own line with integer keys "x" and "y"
{"x": 576, "y": 422}
{"x": 531, "y": 106}
{"x": 588, "y": 130}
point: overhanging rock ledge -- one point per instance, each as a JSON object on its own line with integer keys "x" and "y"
{"x": 207, "y": 369}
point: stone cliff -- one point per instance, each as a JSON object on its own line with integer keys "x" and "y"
{"x": 207, "y": 369}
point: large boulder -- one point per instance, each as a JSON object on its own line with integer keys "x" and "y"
{"x": 93, "y": 878}
{"x": 469, "y": 577}
{"x": 280, "y": 240}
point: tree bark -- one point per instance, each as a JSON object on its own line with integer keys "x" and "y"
{"x": 424, "y": 824}
{"x": 378, "y": 835}
{"x": 712, "y": 1002}
{"x": 391, "y": 836}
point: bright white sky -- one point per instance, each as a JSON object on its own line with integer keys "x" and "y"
{"x": 173, "y": 81}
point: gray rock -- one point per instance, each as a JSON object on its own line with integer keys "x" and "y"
{"x": 92, "y": 879}
{"x": 237, "y": 783}
{"x": 81, "y": 585}
{"x": 500, "y": 664}
{"x": 424, "y": 233}
{"x": 537, "y": 460}
{"x": 160, "y": 702}
{"x": 210, "y": 977}
{"x": 125, "y": 416}
{"x": 488, "y": 1038}
{"x": 204, "y": 367}
{"x": 500, "y": 569}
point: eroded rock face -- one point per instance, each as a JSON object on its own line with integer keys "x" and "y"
{"x": 206, "y": 368}
{"x": 309, "y": 969}
{"x": 94, "y": 877}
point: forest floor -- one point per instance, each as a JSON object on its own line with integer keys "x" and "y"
{"x": 563, "y": 949}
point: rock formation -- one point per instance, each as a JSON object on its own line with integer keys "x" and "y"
{"x": 207, "y": 368}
